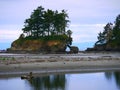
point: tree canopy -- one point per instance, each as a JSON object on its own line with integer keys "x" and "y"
{"x": 107, "y": 34}
{"x": 116, "y": 31}
{"x": 46, "y": 23}
{"x": 111, "y": 34}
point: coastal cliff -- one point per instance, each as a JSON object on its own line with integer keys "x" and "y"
{"x": 41, "y": 46}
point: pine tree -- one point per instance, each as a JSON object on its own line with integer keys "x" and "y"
{"x": 46, "y": 23}
{"x": 34, "y": 25}
{"x": 69, "y": 41}
{"x": 105, "y": 36}
{"x": 108, "y": 32}
{"x": 116, "y": 31}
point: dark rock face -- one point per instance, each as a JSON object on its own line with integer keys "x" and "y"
{"x": 74, "y": 49}
{"x": 90, "y": 49}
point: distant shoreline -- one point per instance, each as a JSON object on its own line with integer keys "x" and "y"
{"x": 17, "y": 64}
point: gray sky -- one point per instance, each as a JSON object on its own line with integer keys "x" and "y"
{"x": 87, "y": 17}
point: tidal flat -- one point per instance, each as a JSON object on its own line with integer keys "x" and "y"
{"x": 59, "y": 63}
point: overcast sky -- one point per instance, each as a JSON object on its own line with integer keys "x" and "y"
{"x": 87, "y": 17}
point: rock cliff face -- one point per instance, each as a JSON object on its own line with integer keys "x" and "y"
{"x": 50, "y": 46}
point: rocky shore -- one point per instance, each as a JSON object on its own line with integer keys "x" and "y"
{"x": 52, "y": 63}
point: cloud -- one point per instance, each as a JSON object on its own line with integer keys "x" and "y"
{"x": 16, "y": 11}
{"x": 11, "y": 27}
{"x": 87, "y": 25}
{"x": 86, "y": 32}
{"x": 9, "y": 33}
{"x": 9, "y": 36}
{"x": 81, "y": 33}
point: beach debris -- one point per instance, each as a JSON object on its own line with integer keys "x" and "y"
{"x": 29, "y": 76}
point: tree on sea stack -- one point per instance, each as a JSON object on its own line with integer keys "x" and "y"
{"x": 44, "y": 31}
{"x": 105, "y": 36}
{"x": 109, "y": 39}
{"x": 46, "y": 23}
{"x": 69, "y": 33}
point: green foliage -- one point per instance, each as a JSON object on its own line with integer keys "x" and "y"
{"x": 69, "y": 33}
{"x": 116, "y": 31}
{"x": 101, "y": 38}
{"x": 69, "y": 39}
{"x": 45, "y": 38}
{"x": 22, "y": 36}
{"x": 46, "y": 23}
{"x": 105, "y": 36}
{"x": 110, "y": 35}
{"x": 57, "y": 37}
{"x": 19, "y": 41}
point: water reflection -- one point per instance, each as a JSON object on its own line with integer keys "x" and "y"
{"x": 108, "y": 75}
{"x": 115, "y": 76}
{"x": 76, "y": 81}
{"x": 51, "y": 82}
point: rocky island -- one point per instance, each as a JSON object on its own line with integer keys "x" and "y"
{"x": 109, "y": 38}
{"x": 44, "y": 32}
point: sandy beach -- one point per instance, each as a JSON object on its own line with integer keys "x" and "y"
{"x": 58, "y": 63}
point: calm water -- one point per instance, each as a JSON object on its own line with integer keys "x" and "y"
{"x": 79, "y": 81}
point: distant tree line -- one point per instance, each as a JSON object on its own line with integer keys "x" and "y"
{"x": 46, "y": 23}
{"x": 111, "y": 34}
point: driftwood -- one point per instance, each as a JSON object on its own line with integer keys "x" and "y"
{"x": 29, "y": 76}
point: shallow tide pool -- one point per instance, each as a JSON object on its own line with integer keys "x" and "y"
{"x": 78, "y": 81}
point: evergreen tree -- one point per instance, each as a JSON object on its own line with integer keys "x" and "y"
{"x": 34, "y": 25}
{"x": 69, "y": 41}
{"x": 116, "y": 31}
{"x": 110, "y": 37}
{"x": 108, "y": 32}
{"x": 46, "y": 23}
{"x": 105, "y": 36}
{"x": 100, "y": 39}
{"x": 64, "y": 21}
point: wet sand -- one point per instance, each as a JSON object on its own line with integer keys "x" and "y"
{"x": 58, "y": 63}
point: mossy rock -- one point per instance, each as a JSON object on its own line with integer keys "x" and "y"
{"x": 50, "y": 46}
